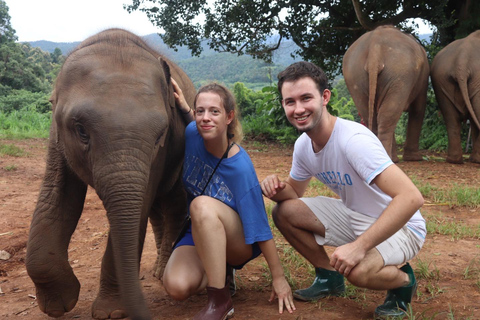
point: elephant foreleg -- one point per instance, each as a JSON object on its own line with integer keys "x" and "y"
{"x": 108, "y": 304}
{"x": 58, "y": 210}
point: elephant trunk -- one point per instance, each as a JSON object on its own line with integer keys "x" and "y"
{"x": 122, "y": 187}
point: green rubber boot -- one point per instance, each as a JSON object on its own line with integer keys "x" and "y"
{"x": 326, "y": 283}
{"x": 397, "y": 300}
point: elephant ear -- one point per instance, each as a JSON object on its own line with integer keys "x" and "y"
{"x": 168, "y": 75}
{"x": 170, "y": 98}
{"x": 53, "y": 127}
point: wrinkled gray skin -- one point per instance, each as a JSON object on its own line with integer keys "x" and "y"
{"x": 455, "y": 74}
{"x": 115, "y": 128}
{"x": 386, "y": 72}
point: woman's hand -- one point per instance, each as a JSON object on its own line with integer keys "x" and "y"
{"x": 180, "y": 98}
{"x": 281, "y": 289}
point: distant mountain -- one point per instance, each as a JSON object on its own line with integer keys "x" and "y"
{"x": 281, "y": 55}
{"x": 211, "y": 65}
{"x": 50, "y": 46}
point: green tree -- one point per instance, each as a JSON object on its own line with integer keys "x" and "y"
{"x": 246, "y": 99}
{"x": 322, "y": 29}
{"x": 21, "y": 66}
{"x": 7, "y": 33}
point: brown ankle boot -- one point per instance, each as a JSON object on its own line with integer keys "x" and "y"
{"x": 219, "y": 306}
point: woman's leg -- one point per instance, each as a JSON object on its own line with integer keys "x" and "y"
{"x": 218, "y": 234}
{"x": 184, "y": 275}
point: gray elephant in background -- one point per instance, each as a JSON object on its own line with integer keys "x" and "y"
{"x": 455, "y": 74}
{"x": 115, "y": 127}
{"x": 386, "y": 72}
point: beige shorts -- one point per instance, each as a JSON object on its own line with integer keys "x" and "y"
{"x": 343, "y": 226}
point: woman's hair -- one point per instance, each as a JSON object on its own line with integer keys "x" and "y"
{"x": 234, "y": 130}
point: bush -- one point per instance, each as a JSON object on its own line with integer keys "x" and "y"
{"x": 24, "y": 123}
{"x": 20, "y": 99}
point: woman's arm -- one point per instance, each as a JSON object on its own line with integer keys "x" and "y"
{"x": 280, "y": 285}
{"x": 181, "y": 103}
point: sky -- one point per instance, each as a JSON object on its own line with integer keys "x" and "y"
{"x": 73, "y": 20}
{"x": 76, "y": 20}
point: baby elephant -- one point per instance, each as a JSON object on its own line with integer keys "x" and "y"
{"x": 115, "y": 127}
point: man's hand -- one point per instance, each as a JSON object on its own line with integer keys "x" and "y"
{"x": 346, "y": 257}
{"x": 271, "y": 185}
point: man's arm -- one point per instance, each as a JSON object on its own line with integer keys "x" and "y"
{"x": 406, "y": 200}
{"x": 278, "y": 191}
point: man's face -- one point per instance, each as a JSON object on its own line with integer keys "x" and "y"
{"x": 303, "y": 103}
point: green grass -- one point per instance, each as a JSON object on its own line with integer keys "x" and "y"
{"x": 11, "y": 168}
{"x": 24, "y": 124}
{"x": 11, "y": 150}
{"x": 426, "y": 270}
{"x": 317, "y": 188}
{"x": 453, "y": 195}
{"x": 439, "y": 224}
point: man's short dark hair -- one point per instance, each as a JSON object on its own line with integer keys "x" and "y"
{"x": 303, "y": 69}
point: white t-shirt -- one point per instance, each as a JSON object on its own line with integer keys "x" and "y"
{"x": 351, "y": 159}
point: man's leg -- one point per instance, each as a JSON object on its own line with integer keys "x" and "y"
{"x": 298, "y": 223}
{"x": 371, "y": 273}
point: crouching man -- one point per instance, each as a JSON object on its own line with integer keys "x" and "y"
{"x": 375, "y": 225}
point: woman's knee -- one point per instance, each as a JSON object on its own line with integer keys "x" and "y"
{"x": 202, "y": 207}
{"x": 176, "y": 288}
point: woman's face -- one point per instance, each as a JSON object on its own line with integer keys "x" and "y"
{"x": 210, "y": 115}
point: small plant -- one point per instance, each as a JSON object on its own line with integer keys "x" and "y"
{"x": 473, "y": 269}
{"x": 11, "y": 168}
{"x": 441, "y": 225}
{"x": 419, "y": 316}
{"x": 423, "y": 270}
{"x": 317, "y": 188}
{"x": 11, "y": 150}
{"x": 464, "y": 195}
{"x": 355, "y": 293}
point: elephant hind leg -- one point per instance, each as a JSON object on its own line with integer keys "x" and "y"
{"x": 416, "y": 114}
{"x": 475, "y": 155}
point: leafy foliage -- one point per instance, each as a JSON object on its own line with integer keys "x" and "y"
{"x": 21, "y": 66}
{"x": 24, "y": 123}
{"x": 269, "y": 121}
{"x": 18, "y": 99}
{"x": 229, "y": 68}
{"x": 322, "y": 30}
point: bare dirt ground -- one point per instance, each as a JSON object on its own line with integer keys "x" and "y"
{"x": 450, "y": 290}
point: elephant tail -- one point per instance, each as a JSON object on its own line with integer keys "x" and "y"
{"x": 462, "y": 84}
{"x": 373, "y": 67}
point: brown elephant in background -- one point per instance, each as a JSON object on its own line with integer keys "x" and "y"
{"x": 115, "y": 127}
{"x": 455, "y": 75}
{"x": 386, "y": 72}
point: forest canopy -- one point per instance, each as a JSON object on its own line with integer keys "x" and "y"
{"x": 322, "y": 29}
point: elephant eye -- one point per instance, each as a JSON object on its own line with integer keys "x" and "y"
{"x": 82, "y": 132}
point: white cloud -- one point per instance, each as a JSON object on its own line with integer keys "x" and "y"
{"x": 69, "y": 21}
